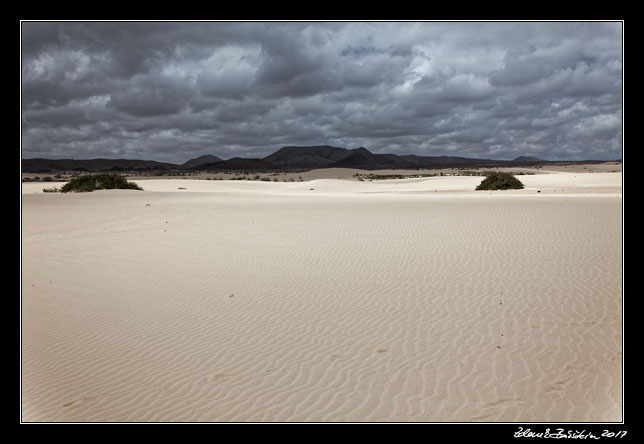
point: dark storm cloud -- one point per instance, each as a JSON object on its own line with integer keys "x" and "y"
{"x": 150, "y": 95}
{"x": 170, "y": 91}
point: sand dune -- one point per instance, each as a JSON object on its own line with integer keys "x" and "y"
{"x": 412, "y": 300}
{"x": 562, "y": 182}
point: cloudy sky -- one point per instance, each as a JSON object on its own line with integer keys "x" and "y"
{"x": 172, "y": 91}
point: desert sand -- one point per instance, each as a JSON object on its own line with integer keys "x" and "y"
{"x": 325, "y": 300}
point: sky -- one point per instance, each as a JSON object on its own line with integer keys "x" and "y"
{"x": 172, "y": 91}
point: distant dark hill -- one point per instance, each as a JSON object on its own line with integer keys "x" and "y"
{"x": 200, "y": 161}
{"x": 447, "y": 161}
{"x": 363, "y": 158}
{"x": 307, "y": 156}
{"x": 237, "y": 163}
{"x": 42, "y": 165}
{"x": 528, "y": 159}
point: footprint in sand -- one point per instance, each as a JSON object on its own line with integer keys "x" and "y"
{"x": 558, "y": 386}
{"x": 216, "y": 377}
{"x": 503, "y": 402}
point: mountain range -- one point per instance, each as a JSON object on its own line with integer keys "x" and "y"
{"x": 288, "y": 157}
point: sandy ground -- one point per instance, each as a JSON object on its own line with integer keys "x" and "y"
{"x": 350, "y": 173}
{"x": 328, "y": 300}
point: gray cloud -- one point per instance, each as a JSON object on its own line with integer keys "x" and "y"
{"x": 170, "y": 91}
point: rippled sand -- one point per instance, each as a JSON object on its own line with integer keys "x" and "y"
{"x": 387, "y": 301}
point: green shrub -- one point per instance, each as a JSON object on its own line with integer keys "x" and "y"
{"x": 500, "y": 181}
{"x": 100, "y": 181}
